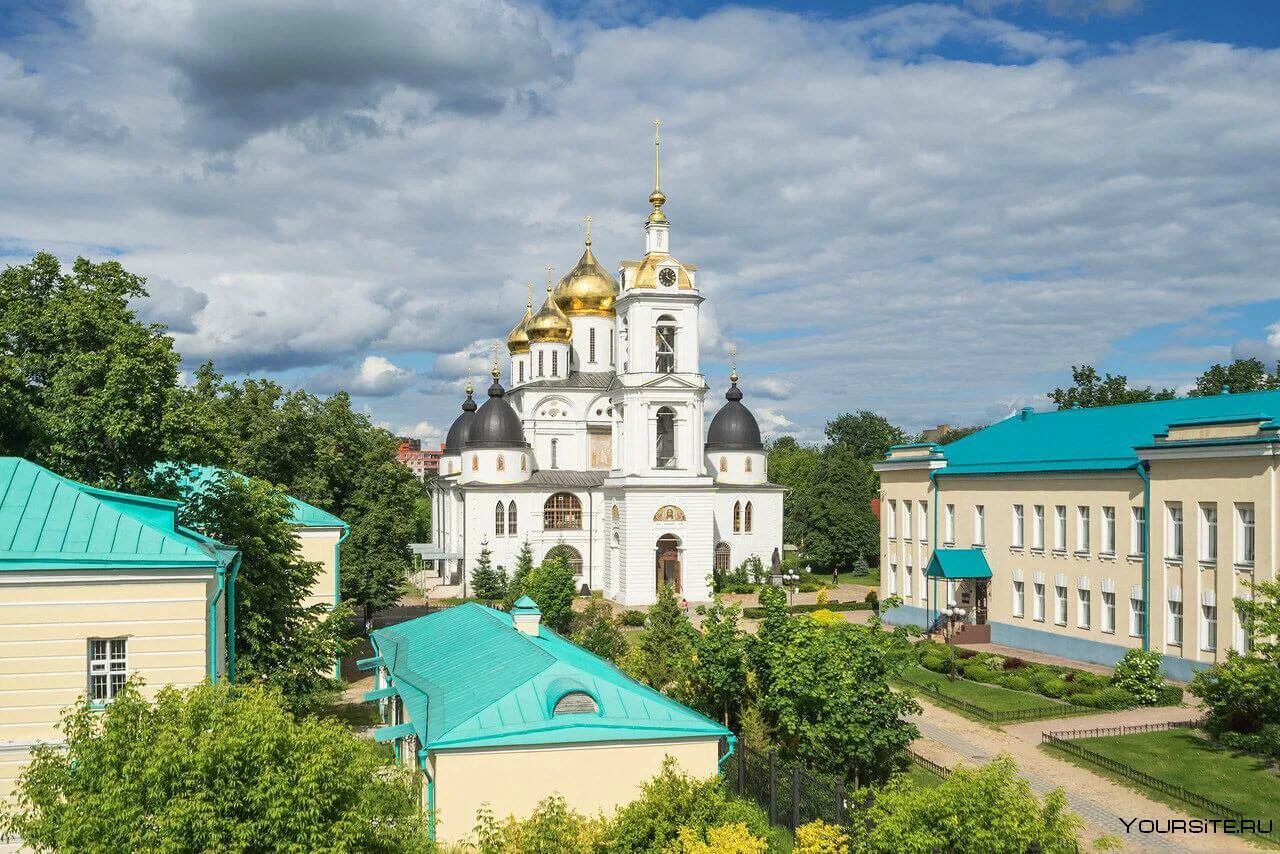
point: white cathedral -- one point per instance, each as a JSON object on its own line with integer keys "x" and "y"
{"x": 597, "y": 451}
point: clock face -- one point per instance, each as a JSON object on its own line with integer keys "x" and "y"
{"x": 667, "y": 277}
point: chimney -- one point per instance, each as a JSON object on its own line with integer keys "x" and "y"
{"x": 525, "y": 616}
{"x": 1026, "y": 413}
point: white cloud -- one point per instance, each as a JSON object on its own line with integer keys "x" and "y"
{"x": 430, "y": 434}
{"x": 376, "y": 376}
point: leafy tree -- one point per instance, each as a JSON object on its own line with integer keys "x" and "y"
{"x": 794, "y": 466}
{"x": 598, "y": 630}
{"x": 841, "y": 525}
{"x": 551, "y": 828}
{"x": 989, "y": 808}
{"x": 664, "y": 654}
{"x": 550, "y": 584}
{"x": 818, "y": 837}
{"x": 488, "y": 583}
{"x": 868, "y": 435}
{"x": 278, "y": 638}
{"x": 422, "y": 519}
{"x": 722, "y": 839}
{"x": 720, "y": 676}
{"x": 212, "y": 768}
{"x": 766, "y": 648}
{"x": 955, "y": 434}
{"x": 1088, "y": 389}
{"x": 1242, "y": 694}
{"x": 84, "y": 384}
{"x": 1241, "y": 375}
{"x": 1138, "y": 672}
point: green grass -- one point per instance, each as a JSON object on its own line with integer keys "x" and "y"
{"x": 869, "y": 579}
{"x": 922, "y": 777}
{"x": 356, "y": 715}
{"x": 992, "y": 698}
{"x": 1183, "y": 758}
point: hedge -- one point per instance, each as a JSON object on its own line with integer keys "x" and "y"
{"x": 755, "y": 613}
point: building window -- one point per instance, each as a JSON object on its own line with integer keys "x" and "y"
{"x": 1242, "y": 641}
{"x": 500, "y": 520}
{"x": 572, "y": 557}
{"x": 1209, "y": 627}
{"x": 502, "y": 463}
{"x": 1209, "y": 533}
{"x": 923, "y": 516}
{"x": 891, "y": 519}
{"x": 1109, "y": 612}
{"x": 576, "y": 703}
{"x": 979, "y": 525}
{"x": 1060, "y": 605}
{"x": 666, "y": 438}
{"x": 540, "y": 355}
{"x": 524, "y": 463}
{"x": 520, "y": 368}
{"x": 1017, "y": 526}
{"x": 1019, "y": 598}
{"x": 591, "y": 345}
{"x": 737, "y": 517}
{"x": 1137, "y": 616}
{"x": 950, "y": 526}
{"x": 906, "y": 520}
{"x": 511, "y": 518}
{"x": 1138, "y": 531}
{"x": 665, "y": 341}
{"x": 1173, "y": 531}
{"x": 1037, "y": 527}
{"x": 108, "y": 668}
{"x": 1109, "y": 530}
{"x": 724, "y": 464}
{"x": 1060, "y": 528}
{"x": 1082, "y": 529}
{"x": 555, "y": 363}
{"x": 1175, "y": 621}
{"x": 562, "y": 511}
{"x": 554, "y": 448}
{"x": 893, "y": 578}
{"x": 1037, "y": 602}
{"x": 722, "y": 559}
{"x": 747, "y": 465}
{"x": 1244, "y": 534}
{"x": 907, "y": 575}
{"x": 475, "y": 462}
{"x": 746, "y": 518}
{"x": 1082, "y": 609}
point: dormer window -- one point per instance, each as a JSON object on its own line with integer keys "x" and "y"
{"x": 576, "y": 703}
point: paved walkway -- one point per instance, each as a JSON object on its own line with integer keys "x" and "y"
{"x": 948, "y": 739}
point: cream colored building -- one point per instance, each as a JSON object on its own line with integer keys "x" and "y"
{"x": 97, "y": 586}
{"x": 1103, "y": 529}
{"x": 495, "y": 709}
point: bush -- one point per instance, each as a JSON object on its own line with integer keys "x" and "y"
{"x": 1014, "y": 663}
{"x": 1139, "y": 674}
{"x": 553, "y": 826}
{"x": 993, "y": 662}
{"x": 1016, "y": 683}
{"x": 1114, "y": 698}
{"x": 937, "y": 665}
{"x": 634, "y": 619}
{"x": 810, "y": 587}
{"x": 722, "y": 839}
{"x": 1170, "y": 695}
{"x": 823, "y": 597}
{"x": 1264, "y": 742}
{"x": 1082, "y": 679}
{"x": 979, "y": 673}
{"x": 1242, "y": 694}
{"x": 818, "y": 837}
{"x": 965, "y": 653}
{"x": 1054, "y": 688}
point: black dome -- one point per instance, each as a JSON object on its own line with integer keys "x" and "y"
{"x": 461, "y": 427}
{"x": 496, "y": 424}
{"x": 734, "y": 428}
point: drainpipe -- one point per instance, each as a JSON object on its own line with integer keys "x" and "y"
{"x": 213, "y": 625}
{"x": 933, "y": 479}
{"x": 431, "y": 794}
{"x": 1143, "y": 465}
{"x": 591, "y": 539}
{"x": 231, "y": 618}
{"x": 733, "y": 742}
{"x": 337, "y": 586}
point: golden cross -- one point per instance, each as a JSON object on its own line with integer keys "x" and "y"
{"x": 549, "y": 271}
{"x": 528, "y": 302}
{"x": 657, "y": 163}
{"x": 733, "y": 362}
{"x": 587, "y": 220}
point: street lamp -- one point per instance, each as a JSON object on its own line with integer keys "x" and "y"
{"x": 790, "y": 578}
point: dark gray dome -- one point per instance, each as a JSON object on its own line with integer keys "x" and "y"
{"x": 461, "y": 427}
{"x": 496, "y": 424}
{"x": 734, "y": 428}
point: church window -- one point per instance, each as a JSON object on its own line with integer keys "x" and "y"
{"x": 555, "y": 364}
{"x": 563, "y": 511}
{"x": 524, "y": 463}
{"x": 748, "y": 464}
{"x": 511, "y": 518}
{"x": 737, "y": 517}
{"x": 502, "y": 463}
{"x": 666, "y": 439}
{"x": 521, "y": 368}
{"x": 722, "y": 560}
{"x": 554, "y": 447}
{"x": 475, "y": 462}
{"x": 591, "y": 345}
{"x": 571, "y": 557}
{"x": 665, "y": 340}
{"x": 499, "y": 520}
{"x": 724, "y": 464}
{"x": 540, "y": 355}
{"x": 746, "y": 518}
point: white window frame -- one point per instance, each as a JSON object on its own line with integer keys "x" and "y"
{"x": 1059, "y": 605}
{"x": 923, "y": 516}
{"x": 893, "y": 577}
{"x": 979, "y": 525}
{"x": 1019, "y": 598}
{"x": 1109, "y": 530}
{"x": 1175, "y": 632}
{"x": 1037, "y": 527}
{"x": 1246, "y": 534}
{"x": 1137, "y": 617}
{"x": 906, "y": 520}
{"x": 1082, "y": 529}
{"x": 950, "y": 524}
{"x": 1019, "y": 520}
{"x": 1084, "y": 608}
{"x": 1208, "y": 627}
{"x": 1174, "y": 535}
{"x": 1109, "y": 612}
{"x": 906, "y": 578}
{"x": 1137, "y": 531}
{"x": 107, "y": 660}
{"x": 891, "y": 519}
{"x": 1060, "y": 527}
{"x": 1037, "y": 601}
{"x": 1208, "y": 533}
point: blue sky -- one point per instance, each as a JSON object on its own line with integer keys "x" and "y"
{"x": 932, "y": 209}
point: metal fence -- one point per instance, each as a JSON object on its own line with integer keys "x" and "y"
{"x": 929, "y": 764}
{"x": 1047, "y": 710}
{"x": 1066, "y": 741}
{"x": 792, "y": 795}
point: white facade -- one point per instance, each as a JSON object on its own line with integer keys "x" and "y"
{"x": 615, "y": 467}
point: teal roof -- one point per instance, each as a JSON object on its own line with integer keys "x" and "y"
{"x": 1103, "y": 438}
{"x": 958, "y": 563}
{"x": 469, "y": 678}
{"x": 50, "y": 522}
{"x": 303, "y": 515}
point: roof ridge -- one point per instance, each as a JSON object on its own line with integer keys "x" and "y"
{"x": 1166, "y": 401}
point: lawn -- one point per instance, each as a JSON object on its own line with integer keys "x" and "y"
{"x": 869, "y": 579}
{"x": 922, "y": 777}
{"x": 991, "y": 698}
{"x": 1183, "y": 758}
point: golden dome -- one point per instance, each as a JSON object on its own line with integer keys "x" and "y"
{"x": 587, "y": 288}
{"x": 646, "y": 275}
{"x": 518, "y": 337}
{"x": 549, "y": 325}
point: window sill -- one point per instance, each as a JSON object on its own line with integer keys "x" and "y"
{"x": 1134, "y": 558}
{"x": 1083, "y": 554}
{"x": 1108, "y": 631}
{"x": 1208, "y": 564}
{"x": 1016, "y": 549}
{"x": 1173, "y": 561}
{"x": 979, "y": 546}
{"x": 1037, "y": 550}
{"x": 949, "y": 543}
{"x": 1037, "y": 619}
{"x": 1246, "y": 567}
{"x": 1209, "y": 649}
{"x": 1059, "y": 552}
{"x": 1060, "y": 625}
{"x": 1106, "y": 556}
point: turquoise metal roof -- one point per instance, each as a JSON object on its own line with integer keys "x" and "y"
{"x": 469, "y": 678}
{"x": 50, "y": 522}
{"x": 959, "y": 563}
{"x": 302, "y": 514}
{"x": 1100, "y": 438}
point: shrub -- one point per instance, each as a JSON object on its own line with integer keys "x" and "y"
{"x": 979, "y": 673}
{"x": 1017, "y": 683}
{"x": 810, "y": 587}
{"x": 823, "y": 596}
{"x": 1170, "y": 695}
{"x": 1089, "y": 681}
{"x": 818, "y": 837}
{"x": 826, "y": 617}
{"x": 722, "y": 839}
{"x": 1089, "y": 701}
{"x": 993, "y": 662}
{"x": 1264, "y": 742}
{"x": 552, "y": 826}
{"x": 965, "y": 653}
{"x": 1054, "y": 688}
{"x": 1139, "y": 674}
{"x": 1114, "y": 698}
{"x": 634, "y": 619}
{"x": 1242, "y": 694}
{"x": 1014, "y": 663}
{"x": 937, "y": 665}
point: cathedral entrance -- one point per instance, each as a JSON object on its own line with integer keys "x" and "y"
{"x": 668, "y": 568}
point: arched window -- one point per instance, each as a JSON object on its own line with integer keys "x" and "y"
{"x": 576, "y": 703}
{"x": 563, "y": 511}
{"x": 521, "y": 371}
{"x": 554, "y": 444}
{"x": 540, "y": 354}
{"x": 475, "y": 462}
{"x": 666, "y": 439}
{"x": 748, "y": 464}
{"x": 555, "y": 363}
{"x": 499, "y": 520}
{"x": 746, "y": 518}
{"x": 724, "y": 464}
{"x": 571, "y": 556}
{"x": 511, "y": 518}
{"x": 737, "y": 517}
{"x": 665, "y": 344}
{"x": 502, "y": 463}
{"x": 722, "y": 560}
{"x": 591, "y": 345}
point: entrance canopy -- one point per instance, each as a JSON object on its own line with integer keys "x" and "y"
{"x": 958, "y": 563}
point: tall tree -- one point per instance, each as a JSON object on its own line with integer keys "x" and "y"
{"x": 83, "y": 383}
{"x": 720, "y": 676}
{"x": 487, "y": 583}
{"x": 598, "y": 630}
{"x": 842, "y": 529}
{"x": 865, "y": 433}
{"x": 662, "y": 657}
{"x": 1240, "y": 376}
{"x": 794, "y": 466}
{"x": 550, "y": 584}
{"x": 1088, "y": 389}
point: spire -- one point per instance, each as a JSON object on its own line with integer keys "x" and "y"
{"x": 733, "y": 364}
{"x": 528, "y": 300}
{"x": 496, "y": 372}
{"x": 656, "y": 198}
{"x": 587, "y": 220}
{"x": 469, "y": 405}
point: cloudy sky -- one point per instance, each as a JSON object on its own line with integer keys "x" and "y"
{"x": 931, "y": 210}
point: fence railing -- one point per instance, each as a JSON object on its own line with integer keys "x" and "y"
{"x": 792, "y": 795}
{"x": 1046, "y": 710}
{"x": 1065, "y": 741}
{"x": 929, "y": 765}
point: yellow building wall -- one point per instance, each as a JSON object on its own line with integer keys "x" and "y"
{"x": 46, "y": 621}
{"x": 592, "y": 777}
{"x": 320, "y": 545}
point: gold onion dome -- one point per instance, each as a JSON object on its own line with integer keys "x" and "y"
{"x": 549, "y": 325}
{"x": 518, "y": 337}
{"x": 587, "y": 288}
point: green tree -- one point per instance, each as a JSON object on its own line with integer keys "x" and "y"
{"x": 720, "y": 676}
{"x": 868, "y": 435}
{"x": 422, "y": 519}
{"x": 598, "y": 630}
{"x": 1240, "y": 376}
{"x": 842, "y": 526}
{"x": 989, "y": 808}
{"x": 487, "y": 583}
{"x": 1089, "y": 389}
{"x": 550, "y": 584}
{"x": 1242, "y": 694}
{"x": 664, "y": 655}
{"x": 84, "y": 384}
{"x": 212, "y": 768}
{"x": 794, "y": 466}
{"x": 955, "y": 434}
{"x": 278, "y": 638}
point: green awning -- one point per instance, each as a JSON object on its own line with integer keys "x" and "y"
{"x": 959, "y": 563}
{"x": 379, "y": 693}
{"x": 391, "y": 733}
